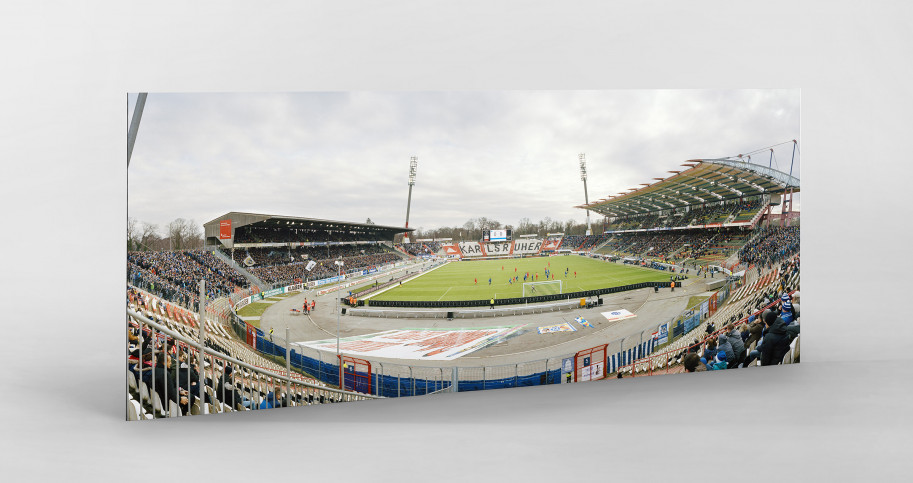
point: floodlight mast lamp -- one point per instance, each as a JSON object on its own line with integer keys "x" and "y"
{"x": 586, "y": 196}
{"x": 413, "y": 162}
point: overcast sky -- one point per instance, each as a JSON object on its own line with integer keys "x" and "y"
{"x": 503, "y": 155}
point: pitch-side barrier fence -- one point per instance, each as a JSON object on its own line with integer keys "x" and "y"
{"x": 511, "y": 300}
{"x": 389, "y": 379}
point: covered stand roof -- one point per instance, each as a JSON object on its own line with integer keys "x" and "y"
{"x": 706, "y": 180}
{"x": 358, "y": 231}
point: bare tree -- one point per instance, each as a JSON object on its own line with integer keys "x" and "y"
{"x": 544, "y": 226}
{"x": 194, "y": 235}
{"x": 132, "y": 233}
{"x": 525, "y": 227}
{"x": 149, "y": 236}
{"x": 174, "y": 233}
{"x": 184, "y": 234}
{"x": 469, "y": 229}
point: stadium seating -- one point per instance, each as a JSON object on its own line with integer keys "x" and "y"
{"x": 276, "y": 266}
{"x": 144, "y": 403}
{"x": 420, "y": 248}
{"x": 728, "y": 212}
{"x": 751, "y": 299}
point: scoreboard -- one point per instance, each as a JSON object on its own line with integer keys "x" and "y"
{"x": 496, "y": 235}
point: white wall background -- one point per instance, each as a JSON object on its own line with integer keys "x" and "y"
{"x": 67, "y": 66}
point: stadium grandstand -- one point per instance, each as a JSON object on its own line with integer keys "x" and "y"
{"x": 164, "y": 313}
{"x": 692, "y": 272}
{"x": 276, "y": 250}
{"x": 697, "y": 217}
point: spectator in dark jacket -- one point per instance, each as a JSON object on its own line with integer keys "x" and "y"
{"x": 755, "y": 327}
{"x": 738, "y": 347}
{"x": 189, "y": 379}
{"x": 710, "y": 328}
{"x": 792, "y": 331}
{"x": 776, "y": 340}
{"x": 227, "y": 392}
{"x": 692, "y": 363}
{"x": 745, "y": 333}
{"x": 165, "y": 383}
{"x": 723, "y": 345}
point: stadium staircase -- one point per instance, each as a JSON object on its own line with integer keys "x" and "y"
{"x": 677, "y": 251}
{"x": 728, "y": 248}
{"x": 251, "y": 278}
{"x": 599, "y": 247}
{"x": 754, "y": 236}
{"x": 398, "y": 250}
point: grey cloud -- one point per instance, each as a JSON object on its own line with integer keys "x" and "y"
{"x": 504, "y": 155}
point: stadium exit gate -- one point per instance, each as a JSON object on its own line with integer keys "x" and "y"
{"x": 356, "y": 374}
{"x": 589, "y": 364}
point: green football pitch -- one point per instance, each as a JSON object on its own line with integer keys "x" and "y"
{"x": 468, "y": 280}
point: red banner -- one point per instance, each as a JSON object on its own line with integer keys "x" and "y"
{"x": 225, "y": 230}
{"x": 550, "y": 245}
{"x": 452, "y": 250}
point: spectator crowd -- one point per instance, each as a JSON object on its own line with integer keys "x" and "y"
{"x": 771, "y": 245}
{"x": 276, "y": 267}
{"x": 764, "y": 336}
{"x": 696, "y": 215}
{"x": 176, "y": 275}
{"x": 421, "y": 248}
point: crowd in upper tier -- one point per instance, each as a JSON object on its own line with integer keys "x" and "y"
{"x": 771, "y": 246}
{"x": 176, "y": 275}
{"x": 288, "y": 265}
{"x": 421, "y": 248}
{"x": 733, "y": 210}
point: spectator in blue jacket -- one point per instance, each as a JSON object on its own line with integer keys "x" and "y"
{"x": 719, "y": 362}
{"x": 270, "y": 401}
{"x": 710, "y": 351}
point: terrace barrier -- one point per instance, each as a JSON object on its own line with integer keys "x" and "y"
{"x": 510, "y": 301}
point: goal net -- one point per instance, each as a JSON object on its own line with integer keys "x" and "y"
{"x": 551, "y": 287}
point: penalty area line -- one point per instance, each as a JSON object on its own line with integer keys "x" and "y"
{"x": 445, "y": 293}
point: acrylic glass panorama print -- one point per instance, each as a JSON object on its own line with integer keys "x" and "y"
{"x": 311, "y": 248}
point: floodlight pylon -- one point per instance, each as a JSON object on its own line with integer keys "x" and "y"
{"x": 586, "y": 197}
{"x": 413, "y": 163}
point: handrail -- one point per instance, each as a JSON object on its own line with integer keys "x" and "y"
{"x": 649, "y": 359}
{"x": 232, "y": 360}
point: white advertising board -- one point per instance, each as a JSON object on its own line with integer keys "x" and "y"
{"x": 421, "y": 344}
